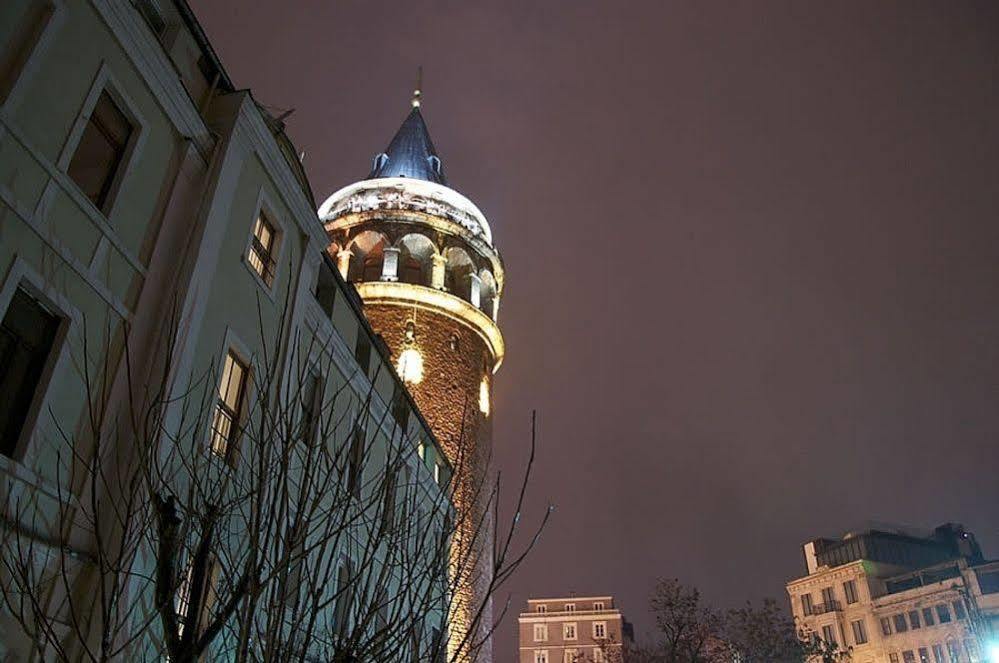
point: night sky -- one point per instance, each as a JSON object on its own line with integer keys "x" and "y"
{"x": 752, "y": 254}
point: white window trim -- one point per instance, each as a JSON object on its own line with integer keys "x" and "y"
{"x": 266, "y": 206}
{"x": 105, "y": 80}
{"x": 36, "y": 56}
{"x": 565, "y": 631}
{"x": 22, "y": 275}
{"x": 543, "y": 630}
{"x": 604, "y": 625}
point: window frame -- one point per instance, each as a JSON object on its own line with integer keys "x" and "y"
{"x": 603, "y": 627}
{"x": 105, "y": 81}
{"x": 850, "y": 592}
{"x": 566, "y": 626}
{"x": 25, "y": 65}
{"x": 22, "y": 276}
{"x": 232, "y": 343}
{"x": 859, "y": 628}
{"x": 541, "y": 629}
{"x": 266, "y": 209}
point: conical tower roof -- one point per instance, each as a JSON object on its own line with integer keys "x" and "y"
{"x": 411, "y": 153}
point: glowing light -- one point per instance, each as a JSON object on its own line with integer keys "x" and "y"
{"x": 410, "y": 367}
{"x": 993, "y": 651}
{"x": 484, "y": 396}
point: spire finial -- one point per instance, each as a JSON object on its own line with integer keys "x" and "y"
{"x": 419, "y": 84}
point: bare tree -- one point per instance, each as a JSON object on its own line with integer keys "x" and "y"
{"x": 294, "y": 524}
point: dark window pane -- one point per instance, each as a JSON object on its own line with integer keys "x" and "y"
{"x": 100, "y": 150}
{"x": 26, "y": 337}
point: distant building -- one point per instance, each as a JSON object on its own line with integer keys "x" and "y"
{"x": 897, "y": 597}
{"x": 573, "y": 630}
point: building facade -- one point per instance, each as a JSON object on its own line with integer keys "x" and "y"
{"x": 895, "y": 597}
{"x": 156, "y": 220}
{"x": 422, "y": 258}
{"x": 578, "y": 629}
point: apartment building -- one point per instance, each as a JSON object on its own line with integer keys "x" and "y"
{"x": 151, "y": 212}
{"x": 577, "y": 629}
{"x": 890, "y": 596}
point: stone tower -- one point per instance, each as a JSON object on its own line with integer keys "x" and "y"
{"x": 422, "y": 258}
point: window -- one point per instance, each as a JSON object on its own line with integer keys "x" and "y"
{"x": 928, "y": 616}
{"x": 924, "y": 655}
{"x": 569, "y": 631}
{"x": 570, "y": 607}
{"x": 27, "y": 335}
{"x": 569, "y": 656}
{"x": 599, "y": 630}
{"x": 355, "y": 462}
{"x": 195, "y": 595}
{"x": 540, "y": 632}
{"x": 943, "y": 613}
{"x": 828, "y": 597}
{"x": 914, "y": 619}
{"x": 850, "y": 591}
{"x": 312, "y": 399}
{"x": 598, "y": 605}
{"x": 229, "y": 407}
{"x": 953, "y": 652}
{"x": 25, "y": 35}
{"x": 828, "y": 635}
{"x": 806, "y": 604}
{"x": 598, "y": 655}
{"x": 101, "y": 151}
{"x": 343, "y": 599}
{"x": 938, "y": 655}
{"x": 362, "y": 350}
{"x": 296, "y": 560}
{"x": 540, "y": 608}
{"x": 908, "y": 657}
{"x": 959, "y": 609}
{"x": 859, "y": 631}
{"x": 421, "y": 451}
{"x": 900, "y": 625}
{"x": 261, "y": 252}
{"x": 437, "y": 473}
{"x": 893, "y": 657}
{"x": 885, "y": 626}
{"x": 541, "y": 656}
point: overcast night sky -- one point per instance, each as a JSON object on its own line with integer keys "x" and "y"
{"x": 752, "y": 253}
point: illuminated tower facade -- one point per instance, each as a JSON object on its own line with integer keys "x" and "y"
{"x": 422, "y": 258}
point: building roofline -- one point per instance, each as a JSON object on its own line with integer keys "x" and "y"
{"x": 571, "y": 598}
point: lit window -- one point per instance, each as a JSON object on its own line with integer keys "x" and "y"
{"x": 261, "y": 254}
{"x": 27, "y": 334}
{"x": 924, "y": 655}
{"x": 437, "y": 473}
{"x": 421, "y": 450}
{"x": 540, "y": 632}
{"x": 410, "y": 366}
{"x": 569, "y": 631}
{"x": 101, "y": 150}
{"x": 599, "y": 629}
{"x": 187, "y": 593}
{"x": 484, "y": 396}
{"x": 232, "y": 388}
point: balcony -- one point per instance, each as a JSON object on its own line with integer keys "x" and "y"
{"x": 823, "y": 608}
